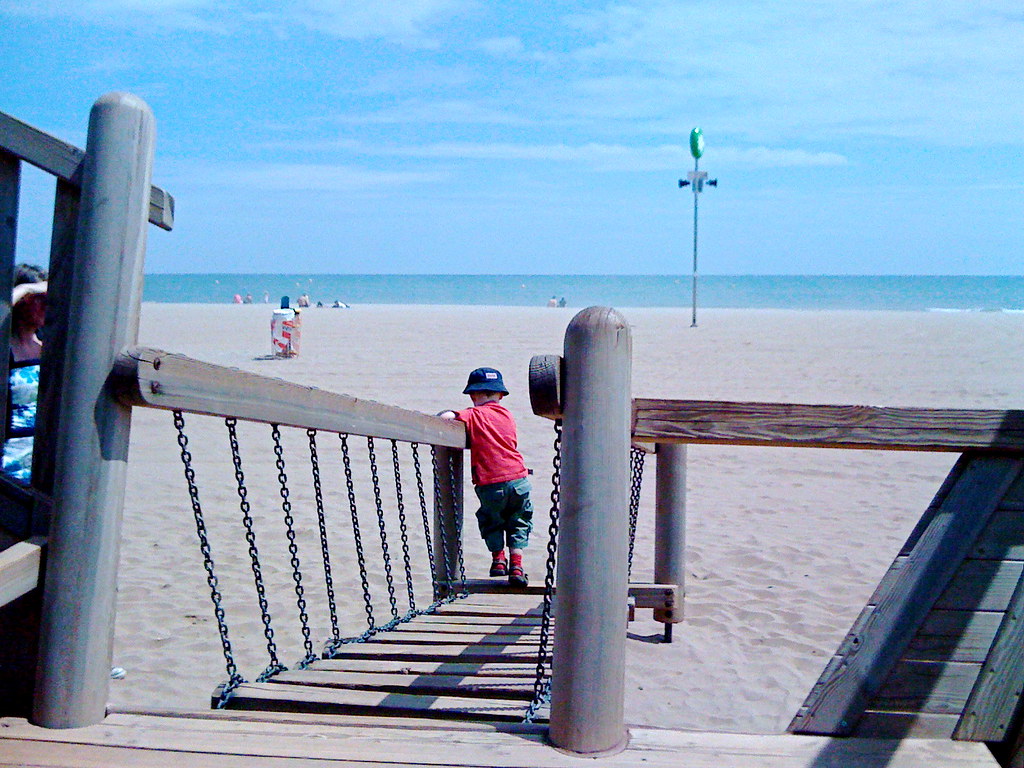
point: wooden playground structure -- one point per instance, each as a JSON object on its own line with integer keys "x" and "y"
{"x": 931, "y": 673}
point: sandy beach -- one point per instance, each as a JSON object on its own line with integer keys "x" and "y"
{"x": 784, "y": 546}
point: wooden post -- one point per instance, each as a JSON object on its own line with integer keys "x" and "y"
{"x": 589, "y": 654}
{"x": 448, "y": 515}
{"x": 92, "y": 448}
{"x": 10, "y": 186}
{"x": 670, "y": 526}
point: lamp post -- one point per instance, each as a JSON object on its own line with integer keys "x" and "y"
{"x": 697, "y": 179}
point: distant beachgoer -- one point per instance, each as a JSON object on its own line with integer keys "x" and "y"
{"x": 319, "y": 303}
{"x": 561, "y": 302}
{"x": 553, "y": 301}
{"x": 303, "y": 300}
{"x": 237, "y": 299}
{"x": 247, "y": 299}
{"x": 266, "y": 297}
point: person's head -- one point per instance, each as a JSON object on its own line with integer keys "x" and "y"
{"x": 484, "y": 385}
{"x": 28, "y": 307}
{"x": 28, "y": 273}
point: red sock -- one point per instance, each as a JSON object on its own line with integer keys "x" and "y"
{"x": 517, "y": 559}
{"x": 499, "y": 556}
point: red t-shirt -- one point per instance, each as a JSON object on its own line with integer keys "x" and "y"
{"x": 493, "y": 455}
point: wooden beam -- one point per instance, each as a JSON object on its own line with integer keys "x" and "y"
{"x": 157, "y": 379}
{"x": 64, "y": 161}
{"x": 826, "y": 426}
{"x": 20, "y": 569}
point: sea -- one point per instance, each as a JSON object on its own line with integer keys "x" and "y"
{"x": 801, "y": 292}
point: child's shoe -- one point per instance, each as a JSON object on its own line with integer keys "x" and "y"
{"x": 498, "y": 565}
{"x": 516, "y": 575}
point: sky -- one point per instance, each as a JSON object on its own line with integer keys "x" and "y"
{"x": 507, "y": 137}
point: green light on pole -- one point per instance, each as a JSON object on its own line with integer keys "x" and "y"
{"x": 696, "y": 178}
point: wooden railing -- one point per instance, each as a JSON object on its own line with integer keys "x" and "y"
{"x": 826, "y": 426}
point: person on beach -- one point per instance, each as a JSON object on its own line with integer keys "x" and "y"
{"x": 28, "y": 313}
{"x": 499, "y": 475}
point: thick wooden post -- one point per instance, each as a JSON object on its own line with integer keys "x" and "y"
{"x": 589, "y": 654}
{"x": 92, "y": 448}
{"x": 670, "y": 526}
{"x": 448, "y": 516}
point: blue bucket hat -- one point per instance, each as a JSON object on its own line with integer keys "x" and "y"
{"x": 485, "y": 380}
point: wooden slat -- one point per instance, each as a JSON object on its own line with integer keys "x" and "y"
{"x": 439, "y": 637}
{"x": 883, "y": 632}
{"x": 1003, "y": 539}
{"x": 954, "y": 636}
{"x": 997, "y": 695}
{"x": 20, "y": 569}
{"x": 64, "y": 161}
{"x": 436, "y": 653}
{"x": 931, "y": 687}
{"x": 157, "y": 379}
{"x": 826, "y": 426}
{"x": 984, "y": 585}
{"x": 647, "y": 595}
{"x": 513, "y": 688}
{"x": 10, "y": 191}
{"x": 504, "y": 668}
{"x": 905, "y": 725}
{"x": 300, "y": 698}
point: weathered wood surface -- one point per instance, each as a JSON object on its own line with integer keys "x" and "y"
{"x": 930, "y": 687}
{"x": 826, "y": 426}
{"x": 658, "y": 596}
{"x": 10, "y": 189}
{"x": 245, "y": 739}
{"x": 907, "y": 593}
{"x": 425, "y": 668}
{"x": 19, "y": 569}
{"x": 995, "y": 698}
{"x": 157, "y": 379}
{"x": 64, "y": 161}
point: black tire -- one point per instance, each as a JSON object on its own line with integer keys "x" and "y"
{"x": 546, "y": 385}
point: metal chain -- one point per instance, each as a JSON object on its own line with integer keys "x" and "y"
{"x": 356, "y": 532}
{"x": 457, "y": 483}
{"x": 542, "y": 681}
{"x": 403, "y": 525}
{"x": 234, "y": 679}
{"x": 332, "y": 605}
{"x": 293, "y": 548}
{"x": 636, "y": 472}
{"x": 274, "y": 665}
{"x": 443, "y": 531}
{"x": 423, "y": 510}
{"x": 383, "y": 530}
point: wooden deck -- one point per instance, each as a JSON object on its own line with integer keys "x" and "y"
{"x": 245, "y": 740}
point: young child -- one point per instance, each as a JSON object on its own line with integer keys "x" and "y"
{"x": 499, "y": 474}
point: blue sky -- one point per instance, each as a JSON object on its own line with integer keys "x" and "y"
{"x": 864, "y": 137}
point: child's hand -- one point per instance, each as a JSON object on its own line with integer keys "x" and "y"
{"x": 447, "y": 414}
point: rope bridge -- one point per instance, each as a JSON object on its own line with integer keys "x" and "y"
{"x": 474, "y": 655}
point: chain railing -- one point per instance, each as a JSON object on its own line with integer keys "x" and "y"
{"x": 330, "y": 493}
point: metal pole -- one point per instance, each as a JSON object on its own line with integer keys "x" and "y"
{"x": 448, "y": 506}
{"x": 589, "y": 654}
{"x": 76, "y": 638}
{"x": 670, "y": 527}
{"x": 696, "y": 187}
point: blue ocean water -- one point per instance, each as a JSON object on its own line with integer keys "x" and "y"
{"x": 910, "y": 293}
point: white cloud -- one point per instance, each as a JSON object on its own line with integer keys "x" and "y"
{"x": 306, "y": 177}
{"x": 616, "y": 157}
{"x": 409, "y": 20}
{"x": 502, "y": 46}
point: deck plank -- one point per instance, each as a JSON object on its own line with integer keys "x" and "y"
{"x": 229, "y": 739}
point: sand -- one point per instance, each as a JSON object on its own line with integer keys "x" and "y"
{"x": 784, "y": 546}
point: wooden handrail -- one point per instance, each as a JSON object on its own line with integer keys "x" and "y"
{"x": 158, "y": 379}
{"x": 64, "y": 161}
{"x": 826, "y": 426}
{"x": 20, "y": 566}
